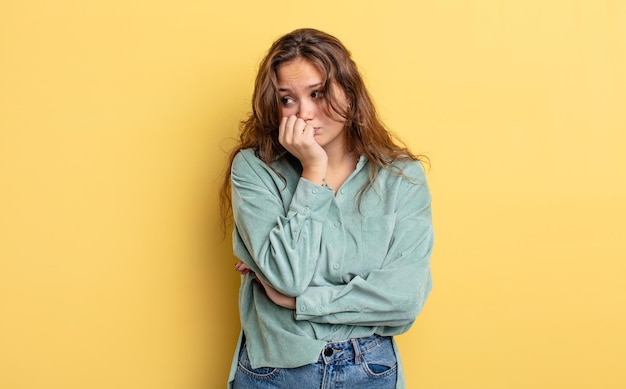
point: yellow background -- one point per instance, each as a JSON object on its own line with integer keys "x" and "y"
{"x": 114, "y": 118}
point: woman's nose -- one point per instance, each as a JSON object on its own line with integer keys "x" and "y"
{"x": 306, "y": 110}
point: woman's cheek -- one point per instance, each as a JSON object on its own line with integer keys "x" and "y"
{"x": 287, "y": 111}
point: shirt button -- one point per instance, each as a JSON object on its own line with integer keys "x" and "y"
{"x": 314, "y": 191}
{"x": 335, "y": 266}
{"x": 337, "y": 224}
{"x": 302, "y": 308}
{"x": 305, "y": 209}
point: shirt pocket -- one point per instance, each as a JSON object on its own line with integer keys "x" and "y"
{"x": 376, "y": 233}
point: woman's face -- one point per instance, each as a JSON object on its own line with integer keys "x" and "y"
{"x": 299, "y": 90}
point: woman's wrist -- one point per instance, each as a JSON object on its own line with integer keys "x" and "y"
{"x": 315, "y": 174}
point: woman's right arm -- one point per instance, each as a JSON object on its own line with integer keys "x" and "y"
{"x": 280, "y": 246}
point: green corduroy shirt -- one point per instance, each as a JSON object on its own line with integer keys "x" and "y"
{"x": 356, "y": 268}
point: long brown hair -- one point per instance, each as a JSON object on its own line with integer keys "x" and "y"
{"x": 364, "y": 132}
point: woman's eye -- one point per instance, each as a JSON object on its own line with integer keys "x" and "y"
{"x": 286, "y": 100}
{"x": 316, "y": 94}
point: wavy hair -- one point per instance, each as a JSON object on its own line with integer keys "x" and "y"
{"x": 364, "y": 132}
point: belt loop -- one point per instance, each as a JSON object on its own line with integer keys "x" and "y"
{"x": 358, "y": 357}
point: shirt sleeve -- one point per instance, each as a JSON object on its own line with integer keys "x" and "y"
{"x": 280, "y": 244}
{"x": 394, "y": 294}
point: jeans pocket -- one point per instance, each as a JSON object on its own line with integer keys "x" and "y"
{"x": 380, "y": 361}
{"x": 261, "y": 373}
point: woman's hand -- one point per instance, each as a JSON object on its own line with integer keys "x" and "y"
{"x": 277, "y": 297}
{"x": 242, "y": 268}
{"x": 298, "y": 138}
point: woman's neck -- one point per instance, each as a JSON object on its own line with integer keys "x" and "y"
{"x": 340, "y": 166}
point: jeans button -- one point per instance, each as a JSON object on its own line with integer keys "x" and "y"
{"x": 328, "y": 352}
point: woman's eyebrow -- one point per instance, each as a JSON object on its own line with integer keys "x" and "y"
{"x": 313, "y": 86}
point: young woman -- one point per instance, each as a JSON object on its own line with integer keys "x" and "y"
{"x": 332, "y": 226}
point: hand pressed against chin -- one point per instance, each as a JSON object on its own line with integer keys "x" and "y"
{"x": 297, "y": 136}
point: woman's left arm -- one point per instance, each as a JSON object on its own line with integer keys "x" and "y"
{"x": 394, "y": 294}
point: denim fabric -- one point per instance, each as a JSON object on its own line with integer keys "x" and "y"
{"x": 365, "y": 363}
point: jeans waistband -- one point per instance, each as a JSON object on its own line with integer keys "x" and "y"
{"x": 352, "y": 348}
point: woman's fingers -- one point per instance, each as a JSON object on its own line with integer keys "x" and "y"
{"x": 297, "y": 136}
{"x": 242, "y": 268}
{"x": 282, "y": 130}
{"x": 289, "y": 128}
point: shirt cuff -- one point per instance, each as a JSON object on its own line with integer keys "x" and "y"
{"x": 312, "y": 303}
{"x": 311, "y": 198}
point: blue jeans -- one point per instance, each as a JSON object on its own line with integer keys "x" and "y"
{"x": 364, "y": 363}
